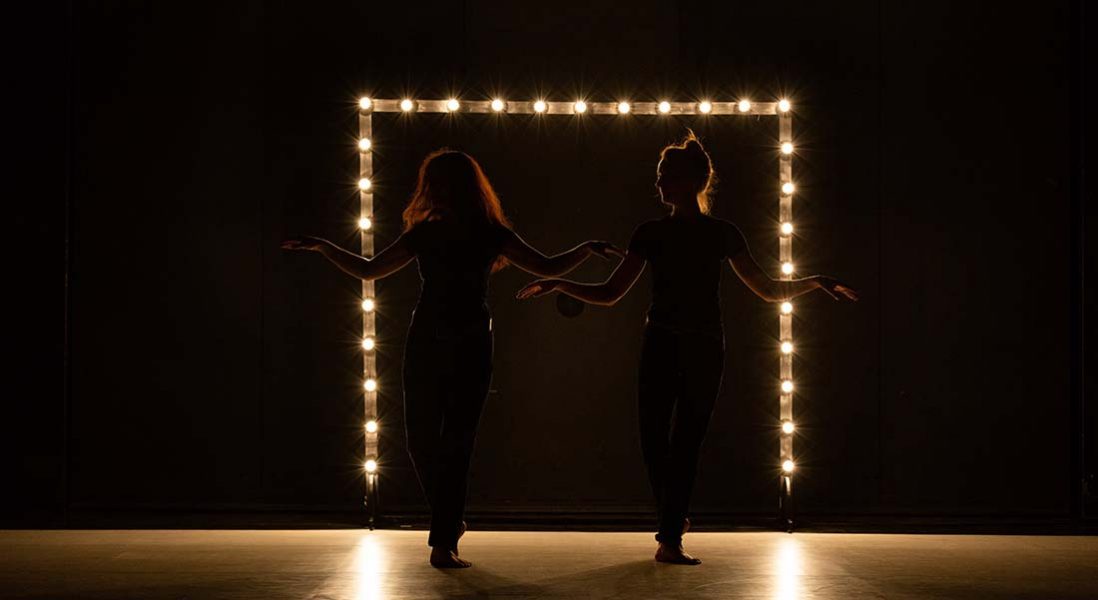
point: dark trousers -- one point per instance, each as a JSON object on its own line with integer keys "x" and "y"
{"x": 680, "y": 377}
{"x": 447, "y": 371}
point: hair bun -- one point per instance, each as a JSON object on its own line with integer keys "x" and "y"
{"x": 693, "y": 145}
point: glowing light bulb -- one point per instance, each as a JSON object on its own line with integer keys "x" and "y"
{"x": 364, "y": 184}
{"x": 452, "y": 104}
{"x": 371, "y": 426}
{"x": 624, "y": 108}
{"x": 540, "y": 106}
{"x": 368, "y": 343}
{"x": 498, "y": 105}
{"x": 788, "y": 188}
{"x": 784, "y": 106}
{"x": 705, "y": 107}
{"x": 664, "y": 107}
{"x": 365, "y": 223}
{"x": 365, "y": 144}
{"x": 364, "y": 103}
{"x": 787, "y": 466}
{"x": 407, "y": 105}
{"x": 745, "y": 105}
{"x": 787, "y": 308}
{"x": 787, "y": 386}
{"x": 371, "y": 385}
{"x": 580, "y": 106}
{"x": 371, "y": 466}
{"x": 787, "y": 347}
{"x": 787, "y": 427}
{"x": 787, "y": 148}
{"x": 368, "y": 305}
{"x": 787, "y": 228}
{"x": 787, "y": 268}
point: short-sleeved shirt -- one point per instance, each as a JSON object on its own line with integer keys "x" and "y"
{"x": 455, "y": 260}
{"x": 686, "y": 254}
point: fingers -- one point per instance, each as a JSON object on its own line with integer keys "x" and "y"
{"x": 529, "y": 291}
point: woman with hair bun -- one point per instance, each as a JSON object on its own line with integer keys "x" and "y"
{"x": 682, "y": 356}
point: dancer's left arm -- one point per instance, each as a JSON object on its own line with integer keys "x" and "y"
{"x": 606, "y": 293}
{"x": 390, "y": 260}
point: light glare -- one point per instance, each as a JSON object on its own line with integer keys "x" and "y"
{"x": 371, "y": 426}
{"x": 371, "y": 385}
{"x": 371, "y": 466}
{"x": 365, "y": 223}
{"x": 580, "y": 106}
{"x": 406, "y": 105}
{"x": 787, "y": 427}
{"x": 540, "y": 106}
{"x": 705, "y": 107}
{"x": 368, "y": 305}
{"x": 368, "y": 343}
{"x": 788, "y": 188}
{"x": 364, "y": 103}
{"x": 787, "y": 386}
{"x": 665, "y": 107}
{"x": 787, "y": 308}
{"x": 365, "y": 144}
{"x": 745, "y": 105}
{"x": 624, "y": 108}
{"x": 452, "y": 104}
{"x": 498, "y": 105}
{"x": 364, "y": 184}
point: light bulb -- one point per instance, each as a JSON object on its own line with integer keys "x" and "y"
{"x": 452, "y": 104}
{"x": 371, "y": 385}
{"x": 498, "y": 105}
{"x": 368, "y": 343}
{"x": 787, "y": 268}
{"x": 787, "y": 347}
{"x": 371, "y": 466}
{"x": 787, "y": 188}
{"x": 787, "y": 308}
{"x": 364, "y": 184}
{"x": 624, "y": 108}
{"x": 665, "y": 107}
{"x": 787, "y": 427}
{"x": 787, "y": 386}
{"x": 365, "y": 103}
{"x": 407, "y": 105}
{"x": 705, "y": 107}
{"x": 368, "y": 305}
{"x": 365, "y": 223}
{"x": 745, "y": 105}
{"x": 365, "y": 144}
{"x": 784, "y": 106}
{"x": 580, "y": 106}
{"x": 540, "y": 106}
{"x": 787, "y": 466}
{"x": 371, "y": 426}
{"x": 787, "y": 228}
{"x": 787, "y": 148}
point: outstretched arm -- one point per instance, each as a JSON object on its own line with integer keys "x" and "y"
{"x": 527, "y": 258}
{"x": 776, "y": 290}
{"x": 606, "y": 293}
{"x": 388, "y": 261}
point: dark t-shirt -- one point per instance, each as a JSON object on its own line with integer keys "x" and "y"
{"x": 686, "y": 254}
{"x": 455, "y": 260}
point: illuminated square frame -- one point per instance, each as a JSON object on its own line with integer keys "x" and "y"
{"x": 785, "y": 191}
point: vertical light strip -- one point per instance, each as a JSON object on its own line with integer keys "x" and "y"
{"x": 369, "y": 361}
{"x": 785, "y": 241}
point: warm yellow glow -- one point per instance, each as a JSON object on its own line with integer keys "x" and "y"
{"x": 365, "y": 103}
{"x": 784, "y": 105}
{"x": 365, "y": 223}
{"x": 498, "y": 105}
{"x": 787, "y": 228}
{"x": 368, "y": 305}
{"x": 787, "y": 347}
{"x": 789, "y": 569}
{"x": 371, "y": 426}
{"x": 787, "y": 268}
{"x": 370, "y": 569}
{"x": 371, "y": 466}
{"x": 787, "y": 466}
{"x": 580, "y": 106}
{"x": 365, "y": 144}
{"x": 745, "y": 105}
{"x": 787, "y": 427}
{"x": 705, "y": 107}
{"x": 368, "y": 343}
{"x": 665, "y": 107}
{"x": 787, "y": 386}
{"x": 624, "y": 108}
{"x": 788, "y": 188}
{"x": 787, "y": 148}
{"x": 452, "y": 104}
{"x": 540, "y": 106}
{"x": 364, "y": 184}
{"x": 371, "y": 385}
{"x": 407, "y": 105}
{"x": 787, "y": 308}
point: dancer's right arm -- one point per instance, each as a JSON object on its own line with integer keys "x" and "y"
{"x": 388, "y": 261}
{"x": 529, "y": 259}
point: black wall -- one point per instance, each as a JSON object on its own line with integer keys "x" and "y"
{"x": 938, "y": 168}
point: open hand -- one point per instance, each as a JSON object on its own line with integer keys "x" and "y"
{"x": 537, "y": 288}
{"x": 837, "y": 289}
{"x": 304, "y": 242}
{"x": 603, "y": 249}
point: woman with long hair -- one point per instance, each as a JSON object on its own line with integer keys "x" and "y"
{"x": 455, "y": 228}
{"x": 682, "y": 356}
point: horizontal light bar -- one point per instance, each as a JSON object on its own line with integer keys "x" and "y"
{"x": 525, "y": 107}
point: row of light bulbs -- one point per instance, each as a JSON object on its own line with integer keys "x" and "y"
{"x": 579, "y": 106}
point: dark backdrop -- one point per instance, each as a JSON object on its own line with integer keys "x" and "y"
{"x": 183, "y": 361}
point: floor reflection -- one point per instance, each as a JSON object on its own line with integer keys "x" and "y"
{"x": 789, "y": 569}
{"x": 370, "y": 566}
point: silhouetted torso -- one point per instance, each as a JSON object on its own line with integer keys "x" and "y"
{"x": 455, "y": 260}
{"x": 686, "y": 254}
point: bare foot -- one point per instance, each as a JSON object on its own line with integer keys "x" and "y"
{"x": 675, "y": 555}
{"x": 442, "y": 558}
{"x": 461, "y": 532}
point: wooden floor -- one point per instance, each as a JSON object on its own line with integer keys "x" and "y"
{"x": 364, "y": 565}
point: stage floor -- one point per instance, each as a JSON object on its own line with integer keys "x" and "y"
{"x": 364, "y": 565}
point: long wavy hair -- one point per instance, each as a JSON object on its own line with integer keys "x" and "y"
{"x": 688, "y": 161}
{"x": 451, "y": 185}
